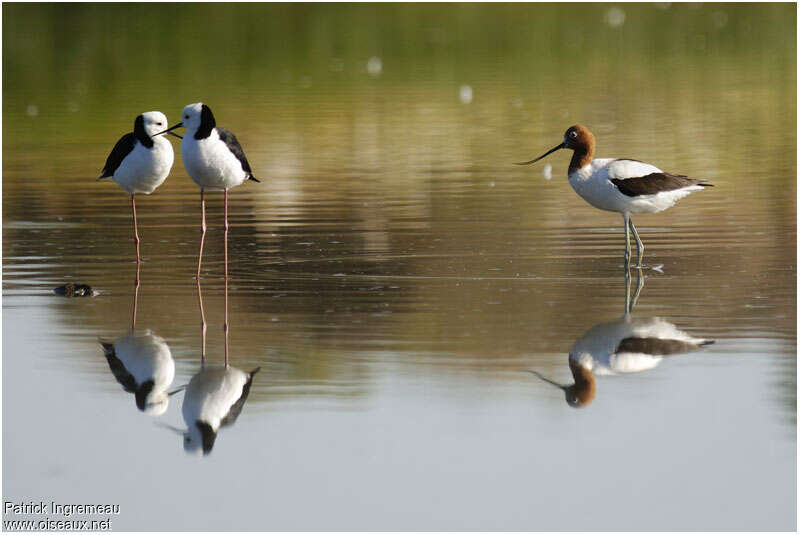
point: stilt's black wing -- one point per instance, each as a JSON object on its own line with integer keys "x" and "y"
{"x": 121, "y": 374}
{"x": 123, "y": 147}
{"x": 237, "y": 407}
{"x": 230, "y": 140}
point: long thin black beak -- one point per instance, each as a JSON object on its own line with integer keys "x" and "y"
{"x": 171, "y": 128}
{"x": 562, "y": 146}
{"x": 172, "y": 428}
{"x": 539, "y": 375}
{"x": 174, "y": 134}
{"x": 179, "y": 389}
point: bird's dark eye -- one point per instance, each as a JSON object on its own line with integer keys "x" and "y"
{"x": 185, "y": 116}
{"x": 158, "y": 124}
{"x": 573, "y": 134}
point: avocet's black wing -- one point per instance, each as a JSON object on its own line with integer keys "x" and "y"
{"x": 655, "y": 183}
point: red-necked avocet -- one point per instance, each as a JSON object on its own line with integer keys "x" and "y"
{"x": 214, "y": 160}
{"x": 140, "y": 161}
{"x": 619, "y": 184}
{"x": 624, "y": 346}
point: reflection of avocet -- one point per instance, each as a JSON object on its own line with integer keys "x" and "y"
{"x": 627, "y": 345}
{"x": 142, "y": 363}
{"x": 214, "y": 399}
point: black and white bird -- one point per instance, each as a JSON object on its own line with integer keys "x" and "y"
{"x": 214, "y": 160}
{"x": 627, "y": 345}
{"x": 214, "y": 399}
{"x": 621, "y": 185}
{"x": 141, "y": 161}
{"x": 142, "y": 363}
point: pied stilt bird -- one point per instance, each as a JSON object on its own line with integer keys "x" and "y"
{"x": 214, "y": 160}
{"x": 141, "y": 161}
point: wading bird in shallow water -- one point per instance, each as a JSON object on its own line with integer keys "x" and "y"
{"x": 214, "y": 160}
{"x": 619, "y": 184}
{"x": 141, "y": 160}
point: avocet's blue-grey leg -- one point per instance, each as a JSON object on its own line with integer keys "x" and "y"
{"x": 630, "y": 300}
{"x": 626, "y": 218}
{"x": 639, "y": 243}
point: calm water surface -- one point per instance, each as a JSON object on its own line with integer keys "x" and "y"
{"x": 395, "y": 277}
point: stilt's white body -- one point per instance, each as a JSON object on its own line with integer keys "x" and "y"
{"x": 593, "y": 183}
{"x": 143, "y": 170}
{"x": 208, "y": 398}
{"x": 209, "y": 162}
{"x": 597, "y": 349}
{"x": 146, "y": 356}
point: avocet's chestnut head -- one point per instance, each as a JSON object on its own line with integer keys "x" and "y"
{"x": 581, "y": 393}
{"x": 578, "y": 137}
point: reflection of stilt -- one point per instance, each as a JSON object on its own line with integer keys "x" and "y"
{"x": 202, "y": 326}
{"x": 225, "y": 229}
{"x": 135, "y": 297}
{"x": 225, "y": 327}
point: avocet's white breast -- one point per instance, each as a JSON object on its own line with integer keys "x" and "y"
{"x": 594, "y": 183}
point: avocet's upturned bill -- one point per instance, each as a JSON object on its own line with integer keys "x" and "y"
{"x": 141, "y": 161}
{"x": 619, "y": 184}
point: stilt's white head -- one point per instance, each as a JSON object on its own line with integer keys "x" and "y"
{"x": 191, "y": 116}
{"x": 153, "y": 122}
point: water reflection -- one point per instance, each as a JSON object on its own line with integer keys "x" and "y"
{"x": 627, "y": 345}
{"x": 214, "y": 399}
{"x": 215, "y": 395}
{"x": 142, "y": 363}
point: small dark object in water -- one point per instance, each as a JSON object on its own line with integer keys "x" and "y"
{"x": 74, "y": 290}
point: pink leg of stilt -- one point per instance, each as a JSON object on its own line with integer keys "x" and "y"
{"x": 202, "y": 230}
{"x": 202, "y": 326}
{"x": 135, "y": 234}
{"x": 225, "y": 228}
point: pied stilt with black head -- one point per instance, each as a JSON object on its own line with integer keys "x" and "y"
{"x": 621, "y": 185}
{"x": 141, "y": 161}
{"x": 214, "y": 160}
